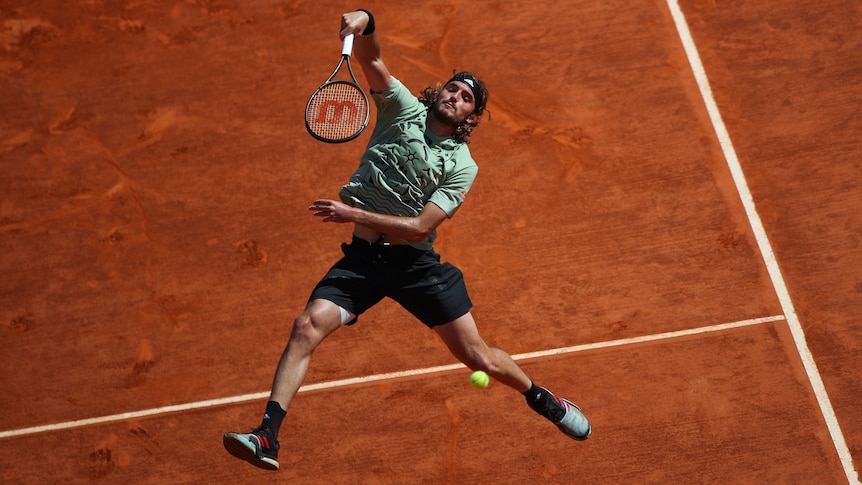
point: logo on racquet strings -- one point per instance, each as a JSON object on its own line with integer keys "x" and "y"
{"x": 332, "y": 112}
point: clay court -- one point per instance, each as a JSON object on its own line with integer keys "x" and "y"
{"x": 666, "y": 229}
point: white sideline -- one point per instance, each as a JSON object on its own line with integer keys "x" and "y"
{"x": 763, "y": 243}
{"x": 377, "y": 377}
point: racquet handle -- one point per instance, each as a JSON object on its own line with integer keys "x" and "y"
{"x": 347, "y": 47}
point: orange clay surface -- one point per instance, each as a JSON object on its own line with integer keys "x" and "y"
{"x": 156, "y": 243}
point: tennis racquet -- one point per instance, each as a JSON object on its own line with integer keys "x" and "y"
{"x": 338, "y": 111}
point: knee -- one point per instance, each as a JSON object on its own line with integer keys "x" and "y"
{"x": 489, "y": 359}
{"x": 303, "y": 328}
{"x": 312, "y": 326}
{"x": 479, "y": 358}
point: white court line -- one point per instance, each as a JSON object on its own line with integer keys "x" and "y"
{"x": 763, "y": 243}
{"x": 377, "y": 377}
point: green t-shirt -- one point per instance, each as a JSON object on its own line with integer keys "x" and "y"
{"x": 405, "y": 166}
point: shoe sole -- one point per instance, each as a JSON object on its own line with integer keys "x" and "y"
{"x": 238, "y": 446}
{"x": 572, "y": 435}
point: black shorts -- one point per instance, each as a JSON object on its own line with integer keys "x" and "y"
{"x": 431, "y": 291}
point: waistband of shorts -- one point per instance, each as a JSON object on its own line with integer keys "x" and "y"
{"x": 393, "y": 250}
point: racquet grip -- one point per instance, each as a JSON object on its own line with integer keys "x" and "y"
{"x": 347, "y": 47}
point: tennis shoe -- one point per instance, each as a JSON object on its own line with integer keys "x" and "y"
{"x": 573, "y": 424}
{"x": 562, "y": 412}
{"x": 260, "y": 448}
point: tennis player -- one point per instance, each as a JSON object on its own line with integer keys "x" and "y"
{"x": 414, "y": 174}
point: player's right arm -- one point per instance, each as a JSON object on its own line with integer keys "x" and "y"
{"x": 366, "y": 50}
{"x": 416, "y": 228}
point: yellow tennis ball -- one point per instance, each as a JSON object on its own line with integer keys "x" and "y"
{"x": 479, "y": 379}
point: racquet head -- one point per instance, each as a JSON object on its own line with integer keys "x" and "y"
{"x": 337, "y": 112}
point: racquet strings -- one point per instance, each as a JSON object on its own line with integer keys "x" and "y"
{"x": 339, "y": 110}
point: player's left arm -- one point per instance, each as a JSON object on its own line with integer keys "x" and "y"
{"x": 410, "y": 228}
{"x": 366, "y": 50}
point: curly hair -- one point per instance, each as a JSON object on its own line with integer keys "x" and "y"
{"x": 429, "y": 96}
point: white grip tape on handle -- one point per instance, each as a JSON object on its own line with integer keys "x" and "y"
{"x": 347, "y": 48}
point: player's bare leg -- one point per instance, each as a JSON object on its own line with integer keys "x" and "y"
{"x": 463, "y": 339}
{"x": 319, "y": 320}
{"x": 260, "y": 446}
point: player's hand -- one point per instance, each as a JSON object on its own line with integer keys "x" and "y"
{"x": 331, "y": 210}
{"x": 353, "y": 23}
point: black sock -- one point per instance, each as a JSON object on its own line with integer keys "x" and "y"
{"x": 532, "y": 393}
{"x": 543, "y": 402}
{"x": 273, "y": 417}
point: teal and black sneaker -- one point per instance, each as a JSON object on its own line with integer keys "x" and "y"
{"x": 574, "y": 424}
{"x": 260, "y": 448}
{"x": 562, "y": 412}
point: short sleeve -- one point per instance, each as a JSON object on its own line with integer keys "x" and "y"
{"x": 461, "y": 172}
